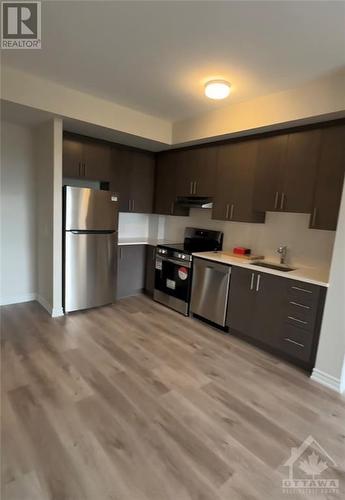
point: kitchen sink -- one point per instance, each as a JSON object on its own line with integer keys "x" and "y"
{"x": 278, "y": 267}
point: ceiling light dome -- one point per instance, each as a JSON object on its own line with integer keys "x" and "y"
{"x": 217, "y": 89}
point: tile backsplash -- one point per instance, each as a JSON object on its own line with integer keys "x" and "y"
{"x": 307, "y": 247}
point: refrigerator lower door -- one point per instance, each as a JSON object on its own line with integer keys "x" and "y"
{"x": 90, "y": 269}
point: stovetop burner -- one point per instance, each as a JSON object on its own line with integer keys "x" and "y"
{"x": 195, "y": 240}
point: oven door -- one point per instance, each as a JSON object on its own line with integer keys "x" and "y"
{"x": 173, "y": 277}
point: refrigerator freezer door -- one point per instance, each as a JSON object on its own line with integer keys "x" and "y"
{"x": 90, "y": 270}
{"x": 90, "y": 209}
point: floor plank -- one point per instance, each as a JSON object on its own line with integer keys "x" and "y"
{"x": 136, "y": 402}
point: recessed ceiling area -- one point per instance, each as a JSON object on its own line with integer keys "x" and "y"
{"x": 156, "y": 57}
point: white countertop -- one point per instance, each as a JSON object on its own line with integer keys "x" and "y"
{"x": 314, "y": 275}
{"x": 143, "y": 241}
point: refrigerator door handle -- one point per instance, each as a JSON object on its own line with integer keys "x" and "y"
{"x": 90, "y": 231}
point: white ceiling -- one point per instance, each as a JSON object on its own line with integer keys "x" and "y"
{"x": 155, "y": 56}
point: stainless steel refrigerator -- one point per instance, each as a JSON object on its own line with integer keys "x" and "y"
{"x": 90, "y": 247}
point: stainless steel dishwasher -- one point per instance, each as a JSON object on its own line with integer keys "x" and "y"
{"x": 210, "y": 290}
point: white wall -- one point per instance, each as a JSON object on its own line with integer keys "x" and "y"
{"x": 329, "y": 368}
{"x": 306, "y": 247}
{"x": 49, "y": 215}
{"x": 18, "y": 269}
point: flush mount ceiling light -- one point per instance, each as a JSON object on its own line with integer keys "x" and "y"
{"x": 217, "y": 89}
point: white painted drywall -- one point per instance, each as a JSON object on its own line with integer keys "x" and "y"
{"x": 18, "y": 215}
{"x": 306, "y": 247}
{"x": 28, "y": 90}
{"x": 330, "y": 356}
{"x": 49, "y": 215}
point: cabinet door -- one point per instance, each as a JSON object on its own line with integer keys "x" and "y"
{"x": 130, "y": 270}
{"x": 270, "y": 308}
{"x": 241, "y": 303}
{"x": 204, "y": 171}
{"x": 329, "y": 180}
{"x": 235, "y": 183}
{"x": 96, "y": 157}
{"x": 150, "y": 269}
{"x": 299, "y": 171}
{"x": 223, "y": 187}
{"x": 120, "y": 176}
{"x": 186, "y": 170}
{"x": 142, "y": 182}
{"x": 165, "y": 184}
{"x": 72, "y": 157}
{"x": 268, "y": 173}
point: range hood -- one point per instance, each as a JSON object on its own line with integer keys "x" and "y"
{"x": 194, "y": 202}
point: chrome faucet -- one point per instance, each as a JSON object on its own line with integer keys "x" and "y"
{"x": 282, "y": 250}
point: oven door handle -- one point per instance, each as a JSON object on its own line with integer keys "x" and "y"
{"x": 177, "y": 262}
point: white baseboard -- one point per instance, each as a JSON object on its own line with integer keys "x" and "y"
{"x": 327, "y": 380}
{"x": 55, "y": 312}
{"x": 16, "y": 299}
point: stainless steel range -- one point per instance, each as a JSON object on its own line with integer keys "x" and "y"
{"x": 173, "y": 268}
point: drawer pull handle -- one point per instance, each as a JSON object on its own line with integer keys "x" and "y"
{"x": 252, "y": 281}
{"x": 301, "y": 289}
{"x": 298, "y": 320}
{"x": 293, "y": 342}
{"x": 299, "y": 305}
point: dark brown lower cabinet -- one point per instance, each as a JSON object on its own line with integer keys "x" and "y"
{"x": 130, "y": 270}
{"x": 150, "y": 269}
{"x": 276, "y": 313}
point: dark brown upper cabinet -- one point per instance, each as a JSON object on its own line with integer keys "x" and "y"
{"x": 299, "y": 171}
{"x": 329, "y": 179}
{"x": 86, "y": 158}
{"x": 286, "y": 172}
{"x": 268, "y": 173}
{"x": 165, "y": 183}
{"x": 234, "y": 189}
{"x": 72, "y": 157}
{"x": 195, "y": 171}
{"x": 132, "y": 176}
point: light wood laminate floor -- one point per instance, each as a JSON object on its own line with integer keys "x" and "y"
{"x": 135, "y": 402}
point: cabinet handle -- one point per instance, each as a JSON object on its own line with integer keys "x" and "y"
{"x": 129, "y": 205}
{"x": 252, "y": 281}
{"x": 298, "y": 320}
{"x": 276, "y": 200}
{"x": 172, "y": 208}
{"x": 293, "y": 342}
{"x": 282, "y": 201}
{"x": 232, "y": 211}
{"x": 301, "y": 289}
{"x": 79, "y": 169}
{"x": 299, "y": 305}
{"x": 191, "y": 187}
{"x": 313, "y": 221}
{"x": 258, "y": 282}
{"x": 132, "y": 205}
{"x": 195, "y": 184}
{"x": 84, "y": 169}
{"x": 227, "y": 211}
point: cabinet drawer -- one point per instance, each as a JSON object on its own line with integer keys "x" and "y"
{"x": 303, "y": 293}
{"x": 301, "y": 315}
{"x": 296, "y": 342}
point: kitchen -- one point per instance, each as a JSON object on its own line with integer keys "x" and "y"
{"x": 172, "y": 252}
{"x": 237, "y": 182}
